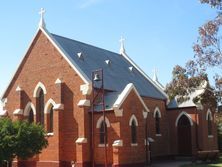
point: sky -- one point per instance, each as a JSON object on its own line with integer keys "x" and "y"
{"x": 158, "y": 34}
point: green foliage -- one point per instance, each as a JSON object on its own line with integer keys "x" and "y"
{"x": 7, "y": 140}
{"x": 30, "y": 139}
{"x": 207, "y": 56}
{"x": 20, "y": 139}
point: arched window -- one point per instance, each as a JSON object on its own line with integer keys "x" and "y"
{"x": 41, "y": 107}
{"x": 157, "y": 122}
{"x": 102, "y": 132}
{"x": 31, "y": 116}
{"x": 133, "y": 123}
{"x": 133, "y": 132}
{"x": 30, "y": 112}
{"x": 50, "y": 128}
{"x": 49, "y": 111}
{"x": 209, "y": 122}
{"x": 209, "y": 127}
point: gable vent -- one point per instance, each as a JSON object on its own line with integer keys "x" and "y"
{"x": 131, "y": 68}
{"x": 80, "y": 55}
{"x": 108, "y": 62}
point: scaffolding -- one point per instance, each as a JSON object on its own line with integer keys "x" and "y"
{"x": 98, "y": 101}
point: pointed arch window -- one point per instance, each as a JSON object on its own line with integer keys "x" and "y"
{"x": 209, "y": 123}
{"x": 41, "y": 107}
{"x": 157, "y": 116}
{"x": 102, "y": 132}
{"x": 50, "y": 128}
{"x": 133, "y": 123}
{"x": 30, "y": 112}
{"x": 133, "y": 132}
{"x": 157, "y": 122}
{"x": 31, "y": 116}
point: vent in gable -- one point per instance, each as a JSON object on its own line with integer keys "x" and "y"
{"x": 80, "y": 55}
{"x": 131, "y": 68}
{"x": 108, "y": 62}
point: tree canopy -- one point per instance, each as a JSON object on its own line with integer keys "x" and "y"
{"x": 20, "y": 139}
{"x": 207, "y": 56}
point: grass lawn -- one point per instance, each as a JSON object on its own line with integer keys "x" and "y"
{"x": 218, "y": 163}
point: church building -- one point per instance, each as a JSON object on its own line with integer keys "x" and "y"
{"x": 100, "y": 108}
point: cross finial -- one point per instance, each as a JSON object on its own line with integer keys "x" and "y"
{"x": 122, "y": 49}
{"x": 155, "y": 75}
{"x": 42, "y": 22}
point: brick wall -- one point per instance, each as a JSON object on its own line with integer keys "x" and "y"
{"x": 160, "y": 146}
{"x": 43, "y": 63}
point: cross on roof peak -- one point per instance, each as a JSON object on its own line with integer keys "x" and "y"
{"x": 155, "y": 78}
{"x": 42, "y": 12}
{"x": 122, "y": 48}
{"x": 122, "y": 39}
{"x": 42, "y": 22}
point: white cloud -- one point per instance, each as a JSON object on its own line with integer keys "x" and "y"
{"x": 88, "y": 3}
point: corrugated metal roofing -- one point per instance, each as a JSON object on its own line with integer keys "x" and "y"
{"x": 116, "y": 75}
{"x": 188, "y": 103}
{"x": 110, "y": 98}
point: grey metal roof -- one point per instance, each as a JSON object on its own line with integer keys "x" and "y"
{"x": 110, "y": 98}
{"x": 116, "y": 75}
{"x": 188, "y": 103}
{"x": 174, "y": 104}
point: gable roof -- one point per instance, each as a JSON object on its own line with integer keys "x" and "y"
{"x": 188, "y": 103}
{"x": 60, "y": 50}
{"x": 124, "y": 94}
{"x": 116, "y": 74}
{"x": 119, "y": 72}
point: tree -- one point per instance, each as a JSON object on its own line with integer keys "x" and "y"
{"x": 183, "y": 85}
{"x": 7, "y": 141}
{"x": 20, "y": 139}
{"x": 207, "y": 56}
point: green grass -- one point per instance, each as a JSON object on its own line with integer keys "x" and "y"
{"x": 218, "y": 163}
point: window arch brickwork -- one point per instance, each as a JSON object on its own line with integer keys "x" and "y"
{"x": 40, "y": 103}
{"x": 102, "y": 133}
{"x": 133, "y": 123}
{"x": 209, "y": 119}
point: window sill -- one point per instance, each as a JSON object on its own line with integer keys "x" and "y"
{"x": 134, "y": 144}
{"x": 158, "y": 135}
{"x": 50, "y": 134}
{"x": 103, "y": 145}
{"x": 210, "y": 136}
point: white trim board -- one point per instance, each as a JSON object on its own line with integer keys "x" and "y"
{"x": 122, "y": 97}
{"x": 144, "y": 74}
{"x": 66, "y": 56}
{"x": 187, "y": 115}
{"x": 59, "y": 49}
{"x": 20, "y": 63}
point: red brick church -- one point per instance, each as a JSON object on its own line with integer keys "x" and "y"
{"x": 53, "y": 86}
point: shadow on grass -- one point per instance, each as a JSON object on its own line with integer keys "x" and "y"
{"x": 217, "y": 163}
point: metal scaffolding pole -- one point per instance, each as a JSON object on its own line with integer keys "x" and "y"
{"x": 98, "y": 92}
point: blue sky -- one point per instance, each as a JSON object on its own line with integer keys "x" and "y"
{"x": 159, "y": 34}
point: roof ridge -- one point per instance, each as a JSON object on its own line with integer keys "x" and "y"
{"x": 91, "y": 45}
{"x": 157, "y": 87}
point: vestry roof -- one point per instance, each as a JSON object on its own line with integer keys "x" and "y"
{"x": 118, "y": 72}
{"x": 189, "y": 103}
